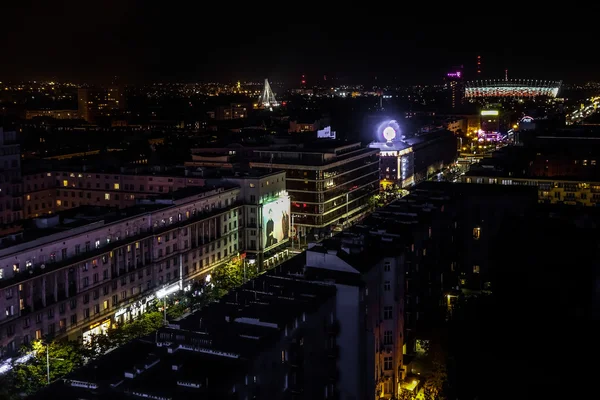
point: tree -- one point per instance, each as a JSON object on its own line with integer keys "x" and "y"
{"x": 435, "y": 382}
{"x": 63, "y": 357}
{"x": 7, "y": 388}
{"x": 143, "y": 325}
{"x": 229, "y": 276}
{"x": 405, "y": 395}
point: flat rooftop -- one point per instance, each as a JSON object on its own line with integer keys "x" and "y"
{"x": 311, "y": 157}
{"x": 204, "y": 355}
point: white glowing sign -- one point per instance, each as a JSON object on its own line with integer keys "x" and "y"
{"x": 326, "y": 133}
{"x": 489, "y": 112}
{"x": 389, "y": 133}
{"x": 526, "y": 119}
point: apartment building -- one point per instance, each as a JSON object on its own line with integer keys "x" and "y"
{"x": 77, "y": 273}
{"x": 50, "y": 192}
{"x": 329, "y": 182}
{"x": 10, "y": 180}
{"x": 273, "y": 338}
{"x": 370, "y": 309}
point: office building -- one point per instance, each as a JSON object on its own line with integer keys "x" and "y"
{"x": 411, "y": 159}
{"x": 92, "y": 265}
{"x": 329, "y": 182}
{"x": 272, "y": 338}
{"x": 455, "y": 86}
{"x": 11, "y": 207}
{"x": 490, "y": 121}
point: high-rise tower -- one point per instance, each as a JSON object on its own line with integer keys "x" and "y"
{"x": 455, "y": 85}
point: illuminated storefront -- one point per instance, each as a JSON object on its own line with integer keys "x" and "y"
{"x": 126, "y": 314}
{"x": 99, "y": 328}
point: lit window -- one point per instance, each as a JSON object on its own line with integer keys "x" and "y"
{"x": 477, "y": 233}
{"x": 106, "y": 196}
{"x": 65, "y": 183}
{"x": 116, "y": 186}
{"x": 59, "y": 203}
{"x": 475, "y": 269}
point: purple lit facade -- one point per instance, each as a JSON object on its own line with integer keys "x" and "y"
{"x": 484, "y": 136}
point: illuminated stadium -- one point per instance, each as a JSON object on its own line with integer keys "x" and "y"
{"x": 518, "y": 88}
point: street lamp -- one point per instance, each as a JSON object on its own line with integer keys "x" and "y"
{"x": 48, "y": 360}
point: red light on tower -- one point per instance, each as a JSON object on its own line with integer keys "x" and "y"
{"x": 303, "y": 81}
{"x": 478, "y": 64}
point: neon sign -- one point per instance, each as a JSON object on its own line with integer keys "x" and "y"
{"x": 526, "y": 119}
{"x": 489, "y": 112}
{"x": 456, "y": 74}
{"x": 389, "y": 133}
{"x": 389, "y": 129}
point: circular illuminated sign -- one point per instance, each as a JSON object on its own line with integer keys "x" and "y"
{"x": 389, "y": 133}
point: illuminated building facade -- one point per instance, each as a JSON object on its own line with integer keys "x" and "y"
{"x": 329, "y": 182}
{"x": 513, "y": 88}
{"x": 76, "y": 274}
{"x": 405, "y": 161}
{"x": 490, "y": 120}
{"x": 455, "y": 85}
{"x": 266, "y": 215}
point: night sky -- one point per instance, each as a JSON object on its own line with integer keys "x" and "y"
{"x": 143, "y": 41}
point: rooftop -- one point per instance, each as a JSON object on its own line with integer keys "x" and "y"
{"x": 204, "y": 355}
{"x": 313, "y": 156}
{"x": 83, "y": 219}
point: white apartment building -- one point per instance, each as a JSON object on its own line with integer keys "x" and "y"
{"x": 80, "y": 274}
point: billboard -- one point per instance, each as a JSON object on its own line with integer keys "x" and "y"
{"x": 276, "y": 221}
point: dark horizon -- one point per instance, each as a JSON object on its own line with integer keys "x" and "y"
{"x": 142, "y": 43}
